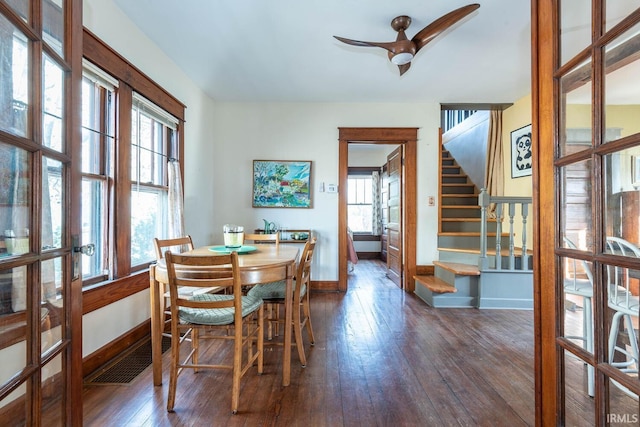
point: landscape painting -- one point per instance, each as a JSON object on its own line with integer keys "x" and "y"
{"x": 281, "y": 184}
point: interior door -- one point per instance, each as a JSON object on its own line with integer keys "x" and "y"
{"x": 40, "y": 299}
{"x": 394, "y": 215}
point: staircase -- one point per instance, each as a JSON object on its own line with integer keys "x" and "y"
{"x": 458, "y": 281}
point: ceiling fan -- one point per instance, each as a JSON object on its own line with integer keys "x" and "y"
{"x": 403, "y": 50}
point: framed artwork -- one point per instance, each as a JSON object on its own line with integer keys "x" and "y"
{"x": 281, "y": 184}
{"x": 521, "y": 152}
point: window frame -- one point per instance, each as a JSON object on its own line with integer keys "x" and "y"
{"x": 353, "y": 173}
{"x": 126, "y": 280}
{"x": 104, "y": 108}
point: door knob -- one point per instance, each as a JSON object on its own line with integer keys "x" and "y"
{"x": 88, "y": 250}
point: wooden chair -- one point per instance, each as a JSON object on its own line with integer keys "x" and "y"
{"x": 178, "y": 245}
{"x": 274, "y": 294}
{"x": 200, "y": 315}
{"x": 262, "y": 238}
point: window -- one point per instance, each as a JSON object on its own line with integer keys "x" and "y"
{"x": 98, "y": 143}
{"x": 359, "y": 204}
{"x": 152, "y": 140}
{"x": 124, "y": 182}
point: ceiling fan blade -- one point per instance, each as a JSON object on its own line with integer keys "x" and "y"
{"x": 390, "y": 46}
{"x": 429, "y": 32}
{"x": 404, "y": 67}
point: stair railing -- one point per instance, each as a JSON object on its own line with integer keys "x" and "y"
{"x": 503, "y": 205}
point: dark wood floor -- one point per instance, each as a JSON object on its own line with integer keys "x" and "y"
{"x": 382, "y": 358}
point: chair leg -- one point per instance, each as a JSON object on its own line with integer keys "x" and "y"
{"x": 237, "y": 368}
{"x": 269, "y": 323}
{"x": 633, "y": 343}
{"x": 195, "y": 345}
{"x": 173, "y": 371}
{"x": 307, "y": 314}
{"x": 260, "y": 339}
{"x": 297, "y": 329}
{"x": 634, "y": 354}
{"x": 588, "y": 340}
{"x": 613, "y": 335}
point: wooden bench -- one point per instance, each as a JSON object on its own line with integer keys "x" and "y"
{"x": 435, "y": 284}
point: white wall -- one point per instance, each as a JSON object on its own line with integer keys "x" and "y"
{"x": 369, "y": 155}
{"x": 222, "y": 140}
{"x": 299, "y": 131}
{"x": 107, "y": 21}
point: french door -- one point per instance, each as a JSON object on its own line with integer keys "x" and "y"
{"x": 40, "y": 291}
{"x": 586, "y": 65}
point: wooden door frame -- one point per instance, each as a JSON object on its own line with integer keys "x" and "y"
{"x": 408, "y": 138}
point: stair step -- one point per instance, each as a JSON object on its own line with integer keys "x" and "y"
{"x": 472, "y": 234}
{"x": 460, "y": 207}
{"x": 462, "y": 195}
{"x": 490, "y": 251}
{"x": 458, "y": 268}
{"x": 454, "y": 179}
{"x": 435, "y": 284}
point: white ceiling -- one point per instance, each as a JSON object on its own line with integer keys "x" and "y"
{"x": 284, "y": 50}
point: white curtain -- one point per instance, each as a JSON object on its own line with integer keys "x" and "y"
{"x": 176, "y": 201}
{"x": 494, "y": 168}
{"x": 376, "y": 204}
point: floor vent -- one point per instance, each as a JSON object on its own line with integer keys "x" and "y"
{"x": 127, "y": 367}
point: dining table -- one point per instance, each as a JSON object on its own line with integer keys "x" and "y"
{"x": 259, "y": 264}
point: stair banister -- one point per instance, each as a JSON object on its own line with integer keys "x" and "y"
{"x": 512, "y": 258}
{"x": 485, "y": 200}
{"x": 499, "y": 219}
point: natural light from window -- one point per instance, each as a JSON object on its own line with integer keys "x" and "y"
{"x": 359, "y": 204}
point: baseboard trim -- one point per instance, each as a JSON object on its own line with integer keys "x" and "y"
{"x": 425, "y": 270}
{"x": 325, "y": 285}
{"x": 368, "y": 255}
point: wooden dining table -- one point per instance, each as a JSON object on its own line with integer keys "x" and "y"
{"x": 268, "y": 263}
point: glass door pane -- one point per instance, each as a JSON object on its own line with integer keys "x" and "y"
{"x": 14, "y": 89}
{"x": 622, "y": 103}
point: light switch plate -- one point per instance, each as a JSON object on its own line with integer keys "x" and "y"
{"x": 332, "y": 188}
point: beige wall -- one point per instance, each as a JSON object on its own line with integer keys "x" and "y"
{"x": 515, "y": 117}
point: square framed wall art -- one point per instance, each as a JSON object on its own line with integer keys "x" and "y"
{"x": 521, "y": 152}
{"x": 281, "y": 184}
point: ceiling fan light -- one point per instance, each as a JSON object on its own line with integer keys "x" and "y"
{"x": 402, "y": 58}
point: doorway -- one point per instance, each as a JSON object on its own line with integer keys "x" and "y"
{"x": 370, "y": 208}
{"x": 407, "y": 138}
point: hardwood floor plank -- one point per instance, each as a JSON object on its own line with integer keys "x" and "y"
{"x": 382, "y": 358}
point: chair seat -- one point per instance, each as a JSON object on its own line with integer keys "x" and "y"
{"x": 582, "y": 287}
{"x": 194, "y": 290}
{"x": 623, "y": 301}
{"x": 217, "y": 316}
{"x": 273, "y": 290}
